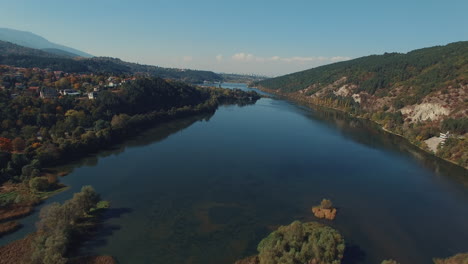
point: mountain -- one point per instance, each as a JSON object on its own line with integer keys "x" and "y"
{"x": 18, "y": 56}
{"x": 417, "y": 95}
{"x": 8, "y": 49}
{"x": 30, "y": 40}
{"x": 60, "y": 52}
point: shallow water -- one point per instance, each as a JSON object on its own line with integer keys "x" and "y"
{"x": 207, "y": 189}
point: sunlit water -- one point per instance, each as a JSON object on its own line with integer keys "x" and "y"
{"x": 207, "y": 189}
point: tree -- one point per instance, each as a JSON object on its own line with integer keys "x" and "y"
{"x": 18, "y": 144}
{"x": 39, "y": 184}
{"x": 302, "y": 243}
{"x": 389, "y": 261}
{"x": 119, "y": 121}
{"x": 86, "y": 199}
{"x": 63, "y": 83}
{"x": 326, "y": 204}
{"x": 56, "y": 225}
{"x": 5, "y": 144}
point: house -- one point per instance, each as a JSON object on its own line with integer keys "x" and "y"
{"x": 20, "y": 86}
{"x": 70, "y": 92}
{"x": 48, "y": 93}
{"x": 92, "y": 95}
{"x": 58, "y": 74}
{"x": 112, "y": 84}
{"x": 34, "y": 89}
{"x": 444, "y": 137}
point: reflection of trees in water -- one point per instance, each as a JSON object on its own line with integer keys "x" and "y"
{"x": 148, "y": 136}
{"x": 371, "y": 135}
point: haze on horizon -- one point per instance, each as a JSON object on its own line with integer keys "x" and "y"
{"x": 259, "y": 37}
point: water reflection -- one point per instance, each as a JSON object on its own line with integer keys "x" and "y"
{"x": 371, "y": 135}
{"x": 149, "y": 136}
{"x": 152, "y": 135}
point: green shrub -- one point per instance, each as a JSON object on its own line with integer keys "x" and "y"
{"x": 302, "y": 243}
{"x": 39, "y": 184}
{"x": 326, "y": 204}
{"x": 389, "y": 261}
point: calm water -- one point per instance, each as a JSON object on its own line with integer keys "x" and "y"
{"x": 207, "y": 189}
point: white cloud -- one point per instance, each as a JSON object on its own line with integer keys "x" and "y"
{"x": 339, "y": 58}
{"x": 219, "y": 57}
{"x": 275, "y": 58}
{"x": 247, "y": 57}
{"x": 242, "y": 57}
{"x": 187, "y": 58}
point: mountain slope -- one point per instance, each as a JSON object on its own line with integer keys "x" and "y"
{"x": 60, "y": 52}
{"x": 9, "y": 49}
{"x": 417, "y": 95}
{"x": 18, "y": 56}
{"x": 30, "y": 40}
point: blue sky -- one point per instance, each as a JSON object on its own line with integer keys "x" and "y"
{"x": 265, "y": 37}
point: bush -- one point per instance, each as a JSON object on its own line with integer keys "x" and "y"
{"x": 302, "y": 243}
{"x": 326, "y": 204}
{"x": 39, "y": 184}
{"x": 389, "y": 261}
{"x": 57, "y": 224}
{"x": 457, "y": 259}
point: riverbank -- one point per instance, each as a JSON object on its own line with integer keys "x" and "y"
{"x": 20, "y": 194}
{"x": 24, "y": 202}
{"x": 61, "y": 230}
{"x": 307, "y": 102}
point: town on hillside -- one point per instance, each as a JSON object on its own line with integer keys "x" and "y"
{"x": 48, "y": 84}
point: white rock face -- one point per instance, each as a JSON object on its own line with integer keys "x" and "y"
{"x": 433, "y": 143}
{"x": 356, "y": 98}
{"x": 343, "y": 91}
{"x": 425, "y": 111}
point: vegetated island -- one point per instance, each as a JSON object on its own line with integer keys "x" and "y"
{"x": 312, "y": 243}
{"x": 325, "y": 210}
{"x": 61, "y": 228}
{"x": 67, "y": 116}
{"x": 419, "y": 95}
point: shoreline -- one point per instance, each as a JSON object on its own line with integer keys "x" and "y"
{"x": 304, "y": 101}
{"x": 117, "y": 137}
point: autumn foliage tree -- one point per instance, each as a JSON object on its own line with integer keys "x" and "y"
{"x": 5, "y": 144}
{"x": 18, "y": 144}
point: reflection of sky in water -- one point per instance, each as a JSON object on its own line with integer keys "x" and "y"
{"x": 208, "y": 191}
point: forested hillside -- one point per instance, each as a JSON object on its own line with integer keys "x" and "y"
{"x": 18, "y": 56}
{"x": 417, "y": 95}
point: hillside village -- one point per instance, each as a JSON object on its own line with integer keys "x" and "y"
{"x": 47, "y": 84}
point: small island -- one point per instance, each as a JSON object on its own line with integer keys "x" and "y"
{"x": 299, "y": 242}
{"x": 325, "y": 210}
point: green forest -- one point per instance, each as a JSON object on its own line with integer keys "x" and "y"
{"x": 426, "y": 69}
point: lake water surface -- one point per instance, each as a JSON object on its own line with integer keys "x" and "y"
{"x": 207, "y": 189}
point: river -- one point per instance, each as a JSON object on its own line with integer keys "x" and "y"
{"x": 207, "y": 189}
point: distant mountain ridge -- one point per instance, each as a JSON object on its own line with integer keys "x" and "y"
{"x": 18, "y": 56}
{"x": 31, "y": 40}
